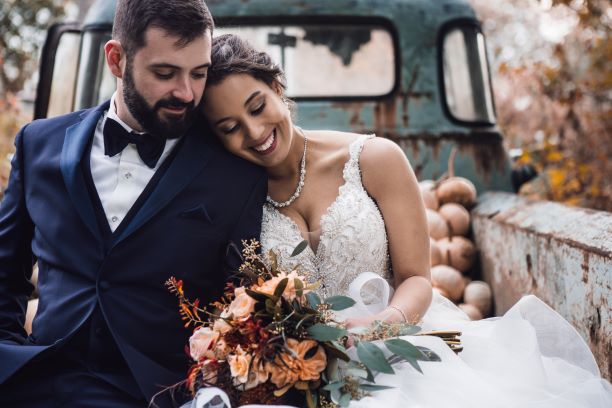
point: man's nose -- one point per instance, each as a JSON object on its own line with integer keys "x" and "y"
{"x": 183, "y": 89}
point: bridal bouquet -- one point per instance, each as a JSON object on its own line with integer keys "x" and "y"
{"x": 271, "y": 333}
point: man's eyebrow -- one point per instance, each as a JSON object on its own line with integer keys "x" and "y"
{"x": 172, "y": 66}
{"x": 249, "y": 99}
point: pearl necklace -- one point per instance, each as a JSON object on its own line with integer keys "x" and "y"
{"x": 298, "y": 189}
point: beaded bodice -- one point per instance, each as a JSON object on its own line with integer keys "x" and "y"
{"x": 353, "y": 236}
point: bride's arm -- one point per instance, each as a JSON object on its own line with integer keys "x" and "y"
{"x": 389, "y": 179}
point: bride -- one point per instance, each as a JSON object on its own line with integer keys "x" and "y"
{"x": 356, "y": 201}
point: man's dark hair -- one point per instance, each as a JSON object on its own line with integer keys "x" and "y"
{"x": 185, "y": 19}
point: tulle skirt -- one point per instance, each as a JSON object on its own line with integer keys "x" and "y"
{"x": 530, "y": 357}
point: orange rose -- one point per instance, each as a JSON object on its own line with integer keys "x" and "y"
{"x": 289, "y": 368}
{"x": 202, "y": 342}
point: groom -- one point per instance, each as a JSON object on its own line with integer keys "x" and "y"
{"x": 111, "y": 202}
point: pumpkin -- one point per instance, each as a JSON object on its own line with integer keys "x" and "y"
{"x": 458, "y": 252}
{"x": 457, "y": 218}
{"x": 428, "y": 193}
{"x": 435, "y": 255}
{"x": 457, "y": 190}
{"x": 437, "y": 225}
{"x": 449, "y": 280}
{"x": 478, "y": 294}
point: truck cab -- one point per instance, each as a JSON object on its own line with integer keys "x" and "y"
{"x": 412, "y": 71}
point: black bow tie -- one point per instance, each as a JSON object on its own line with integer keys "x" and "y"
{"x": 116, "y": 138}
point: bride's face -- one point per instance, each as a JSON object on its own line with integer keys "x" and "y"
{"x": 250, "y": 118}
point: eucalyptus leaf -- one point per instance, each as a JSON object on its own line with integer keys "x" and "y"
{"x": 323, "y": 332}
{"x": 404, "y": 348}
{"x": 357, "y": 372}
{"x": 374, "y": 387}
{"x": 313, "y": 299}
{"x": 260, "y": 297}
{"x": 345, "y": 400}
{"x": 336, "y": 352}
{"x": 373, "y": 357}
{"x": 280, "y": 288}
{"x": 299, "y": 248}
{"x": 429, "y": 354}
{"x": 336, "y": 385}
{"x": 299, "y": 287}
{"x": 339, "y": 302}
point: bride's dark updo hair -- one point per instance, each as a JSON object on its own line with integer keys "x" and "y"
{"x": 233, "y": 55}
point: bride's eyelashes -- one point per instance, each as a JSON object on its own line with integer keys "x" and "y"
{"x": 259, "y": 108}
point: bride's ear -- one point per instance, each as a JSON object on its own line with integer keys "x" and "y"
{"x": 278, "y": 89}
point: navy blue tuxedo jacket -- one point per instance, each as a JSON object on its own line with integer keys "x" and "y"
{"x": 205, "y": 199}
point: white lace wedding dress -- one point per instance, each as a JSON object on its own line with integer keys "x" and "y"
{"x": 530, "y": 357}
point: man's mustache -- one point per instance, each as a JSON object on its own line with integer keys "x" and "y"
{"x": 174, "y": 104}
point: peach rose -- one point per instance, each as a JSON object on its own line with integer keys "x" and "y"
{"x": 242, "y": 306}
{"x": 290, "y": 293}
{"x": 202, "y": 342}
{"x": 221, "y": 325}
{"x": 289, "y": 368}
{"x": 245, "y": 374}
{"x": 239, "y": 365}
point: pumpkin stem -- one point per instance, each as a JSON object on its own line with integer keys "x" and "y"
{"x": 451, "y": 162}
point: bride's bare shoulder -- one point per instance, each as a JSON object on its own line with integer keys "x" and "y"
{"x": 332, "y": 145}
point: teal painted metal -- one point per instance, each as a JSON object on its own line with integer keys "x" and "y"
{"x": 414, "y": 114}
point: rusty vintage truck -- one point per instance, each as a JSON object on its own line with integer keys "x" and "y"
{"x": 413, "y": 71}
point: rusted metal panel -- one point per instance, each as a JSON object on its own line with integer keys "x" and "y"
{"x": 561, "y": 254}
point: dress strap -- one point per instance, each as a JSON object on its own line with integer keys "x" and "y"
{"x": 352, "y": 171}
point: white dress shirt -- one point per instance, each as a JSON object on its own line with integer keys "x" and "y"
{"x": 120, "y": 179}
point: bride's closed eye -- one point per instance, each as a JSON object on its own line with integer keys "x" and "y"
{"x": 259, "y": 108}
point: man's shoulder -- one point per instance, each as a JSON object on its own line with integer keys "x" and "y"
{"x": 50, "y": 125}
{"x": 234, "y": 167}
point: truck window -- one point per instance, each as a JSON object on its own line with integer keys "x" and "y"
{"x": 467, "y": 87}
{"x": 94, "y": 85}
{"x": 64, "y": 74}
{"x": 324, "y": 61}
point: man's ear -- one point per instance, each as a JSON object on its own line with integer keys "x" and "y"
{"x": 114, "y": 57}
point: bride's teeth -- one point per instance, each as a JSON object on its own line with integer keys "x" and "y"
{"x": 267, "y": 144}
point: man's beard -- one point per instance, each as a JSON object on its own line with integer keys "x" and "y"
{"x": 149, "y": 117}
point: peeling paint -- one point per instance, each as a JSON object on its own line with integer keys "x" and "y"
{"x": 559, "y": 253}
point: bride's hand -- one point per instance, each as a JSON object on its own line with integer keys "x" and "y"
{"x": 363, "y": 321}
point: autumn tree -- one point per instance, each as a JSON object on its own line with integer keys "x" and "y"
{"x": 24, "y": 24}
{"x": 551, "y": 65}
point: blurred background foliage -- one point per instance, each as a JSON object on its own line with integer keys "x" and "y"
{"x": 551, "y": 63}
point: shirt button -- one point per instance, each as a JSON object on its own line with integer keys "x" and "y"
{"x": 127, "y": 175}
{"x": 104, "y": 285}
{"x": 115, "y": 219}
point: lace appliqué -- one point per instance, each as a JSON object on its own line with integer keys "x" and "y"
{"x": 353, "y": 236}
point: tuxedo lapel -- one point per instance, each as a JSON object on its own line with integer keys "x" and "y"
{"x": 76, "y": 140}
{"x": 188, "y": 162}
